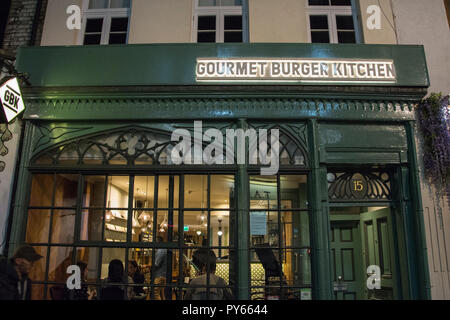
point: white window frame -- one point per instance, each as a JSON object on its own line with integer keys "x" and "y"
{"x": 220, "y": 13}
{"x": 107, "y": 14}
{"x": 331, "y": 12}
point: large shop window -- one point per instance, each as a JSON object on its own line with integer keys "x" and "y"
{"x": 280, "y": 252}
{"x": 164, "y": 225}
{"x": 106, "y": 22}
{"x": 218, "y": 21}
{"x": 331, "y": 21}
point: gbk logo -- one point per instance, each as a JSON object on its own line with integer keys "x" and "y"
{"x": 74, "y": 19}
{"x": 374, "y": 20}
{"x": 11, "y": 99}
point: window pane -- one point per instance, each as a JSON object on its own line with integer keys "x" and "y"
{"x": 206, "y": 37}
{"x": 42, "y": 190}
{"x": 144, "y": 187}
{"x": 195, "y": 227}
{"x": 222, "y": 191}
{"x": 118, "y": 38}
{"x": 66, "y": 190}
{"x": 120, "y": 4}
{"x": 206, "y": 23}
{"x": 318, "y": 22}
{"x": 293, "y": 192}
{"x": 233, "y": 22}
{"x": 92, "y": 39}
{"x": 233, "y": 37}
{"x": 116, "y": 225}
{"x": 195, "y": 191}
{"x": 119, "y": 24}
{"x": 319, "y": 2}
{"x": 91, "y": 225}
{"x": 38, "y": 271}
{"x": 98, "y": 4}
{"x": 142, "y": 226}
{"x": 63, "y": 224}
{"x": 142, "y": 257}
{"x": 220, "y": 231}
{"x": 344, "y": 22}
{"x": 167, "y": 226}
{"x": 94, "y": 191}
{"x": 346, "y": 37}
{"x": 38, "y": 226}
{"x": 117, "y": 194}
{"x": 295, "y": 229}
{"x": 296, "y": 266}
{"x": 264, "y": 228}
{"x": 208, "y": 3}
{"x": 320, "y": 37}
{"x": 164, "y": 194}
{"x": 341, "y": 2}
{"x": 109, "y": 254}
{"x": 231, "y": 2}
{"x": 60, "y": 259}
{"x": 90, "y": 257}
{"x": 94, "y": 25}
{"x": 263, "y": 192}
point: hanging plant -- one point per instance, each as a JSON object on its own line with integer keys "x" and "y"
{"x": 434, "y": 123}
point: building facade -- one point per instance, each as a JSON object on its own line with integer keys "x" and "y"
{"x": 98, "y": 180}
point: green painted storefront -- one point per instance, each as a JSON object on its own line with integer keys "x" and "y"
{"x": 81, "y": 94}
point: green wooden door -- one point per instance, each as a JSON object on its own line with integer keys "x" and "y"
{"x": 378, "y": 250}
{"x": 346, "y": 260}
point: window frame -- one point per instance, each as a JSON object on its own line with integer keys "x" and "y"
{"x": 107, "y": 14}
{"x": 331, "y": 12}
{"x": 219, "y": 12}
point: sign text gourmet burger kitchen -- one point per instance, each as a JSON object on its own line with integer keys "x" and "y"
{"x": 295, "y": 70}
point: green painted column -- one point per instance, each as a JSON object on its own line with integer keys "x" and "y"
{"x": 242, "y": 192}
{"x": 320, "y": 222}
{"x": 417, "y": 221}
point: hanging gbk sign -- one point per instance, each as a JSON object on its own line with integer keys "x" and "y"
{"x": 11, "y": 99}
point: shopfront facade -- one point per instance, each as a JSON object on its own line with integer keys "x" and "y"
{"x": 98, "y": 180}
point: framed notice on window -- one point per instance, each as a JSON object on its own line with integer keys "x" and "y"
{"x": 258, "y": 223}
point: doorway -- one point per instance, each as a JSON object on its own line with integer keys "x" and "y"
{"x": 363, "y": 237}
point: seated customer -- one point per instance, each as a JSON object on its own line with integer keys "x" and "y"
{"x": 205, "y": 260}
{"x": 83, "y": 293}
{"x": 138, "y": 277}
{"x": 114, "y": 288}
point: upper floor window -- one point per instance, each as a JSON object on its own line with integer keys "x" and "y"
{"x": 218, "y": 21}
{"x": 331, "y": 21}
{"x": 106, "y": 22}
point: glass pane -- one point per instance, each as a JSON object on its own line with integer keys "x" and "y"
{"x": 233, "y": 37}
{"x": 119, "y": 24}
{"x": 139, "y": 270}
{"x": 346, "y": 37}
{"x": 163, "y": 191}
{"x": 38, "y": 271}
{"x": 318, "y": 22}
{"x": 66, "y": 190}
{"x": 91, "y": 39}
{"x": 341, "y": 2}
{"x": 118, "y": 38}
{"x": 295, "y": 229}
{"x": 89, "y": 256}
{"x": 344, "y": 22}
{"x": 220, "y": 230}
{"x": 116, "y": 225}
{"x": 142, "y": 226}
{"x": 206, "y": 37}
{"x": 208, "y": 3}
{"x": 318, "y": 2}
{"x": 296, "y": 269}
{"x": 120, "y": 4}
{"x": 167, "y": 226}
{"x": 144, "y": 187}
{"x": 293, "y": 192}
{"x": 38, "y": 292}
{"x": 231, "y": 3}
{"x": 91, "y": 225}
{"x": 222, "y": 191}
{"x": 38, "y": 226}
{"x": 206, "y": 23}
{"x": 94, "y": 25}
{"x": 63, "y": 225}
{"x": 94, "y": 191}
{"x": 42, "y": 190}
{"x": 233, "y": 22}
{"x": 264, "y": 228}
{"x": 195, "y": 228}
{"x": 320, "y": 37}
{"x": 108, "y": 255}
{"x": 98, "y": 4}
{"x": 117, "y": 193}
{"x": 195, "y": 191}
{"x": 263, "y": 192}
{"x": 60, "y": 259}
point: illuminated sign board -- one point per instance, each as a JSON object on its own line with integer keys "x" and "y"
{"x": 11, "y": 99}
{"x": 295, "y": 70}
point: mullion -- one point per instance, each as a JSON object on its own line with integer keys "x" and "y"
{"x": 155, "y": 208}
{"x": 49, "y": 237}
{"x": 208, "y": 236}
{"x": 279, "y": 230}
{"x": 180, "y": 235}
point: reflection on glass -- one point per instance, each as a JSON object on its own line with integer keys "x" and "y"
{"x": 60, "y": 258}
{"x": 38, "y": 271}
{"x": 91, "y": 224}
{"x": 90, "y": 257}
{"x": 66, "y": 190}
{"x": 63, "y": 224}
{"x": 263, "y": 192}
{"x": 195, "y": 191}
{"x": 42, "y": 190}
{"x": 38, "y": 226}
{"x": 117, "y": 192}
{"x": 293, "y": 192}
{"x": 222, "y": 191}
{"x": 94, "y": 191}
